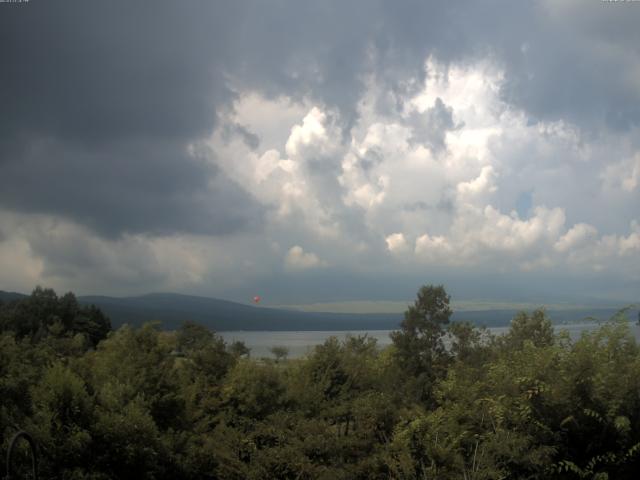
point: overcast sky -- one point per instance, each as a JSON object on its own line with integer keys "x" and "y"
{"x": 321, "y": 151}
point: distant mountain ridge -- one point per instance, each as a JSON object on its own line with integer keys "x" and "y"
{"x": 10, "y": 296}
{"x": 172, "y": 309}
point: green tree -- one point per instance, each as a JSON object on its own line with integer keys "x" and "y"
{"x": 192, "y": 336}
{"x": 419, "y": 345}
{"x": 239, "y": 349}
{"x": 62, "y": 420}
{"x": 44, "y": 314}
{"x": 279, "y": 352}
{"x": 469, "y": 343}
{"x": 254, "y": 391}
{"x": 535, "y": 327}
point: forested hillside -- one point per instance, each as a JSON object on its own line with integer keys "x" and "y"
{"x": 146, "y": 403}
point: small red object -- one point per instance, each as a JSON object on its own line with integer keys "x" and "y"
{"x": 256, "y": 299}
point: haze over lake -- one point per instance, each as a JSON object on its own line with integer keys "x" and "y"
{"x": 300, "y": 343}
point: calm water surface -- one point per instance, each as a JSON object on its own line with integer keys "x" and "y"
{"x": 300, "y": 343}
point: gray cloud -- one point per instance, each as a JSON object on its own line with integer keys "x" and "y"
{"x": 569, "y": 60}
{"x": 572, "y": 60}
{"x": 371, "y": 158}
{"x": 95, "y": 78}
{"x": 430, "y": 127}
{"x": 137, "y": 187}
{"x": 93, "y": 73}
{"x": 446, "y": 204}
{"x": 101, "y": 102}
{"x": 249, "y": 138}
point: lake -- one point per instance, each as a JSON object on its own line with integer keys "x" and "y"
{"x": 300, "y": 343}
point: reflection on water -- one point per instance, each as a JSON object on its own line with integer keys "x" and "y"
{"x": 300, "y": 343}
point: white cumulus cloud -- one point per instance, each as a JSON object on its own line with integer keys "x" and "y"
{"x": 396, "y": 243}
{"x": 298, "y": 259}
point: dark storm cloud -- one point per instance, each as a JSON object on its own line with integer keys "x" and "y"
{"x": 100, "y": 99}
{"x": 570, "y": 60}
{"x": 138, "y": 187}
{"x": 563, "y": 61}
{"x": 324, "y": 49}
{"x": 100, "y": 102}
{"x": 96, "y": 72}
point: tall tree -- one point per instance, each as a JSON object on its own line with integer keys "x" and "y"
{"x": 419, "y": 345}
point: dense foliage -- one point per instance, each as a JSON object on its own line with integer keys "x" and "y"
{"x": 446, "y": 400}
